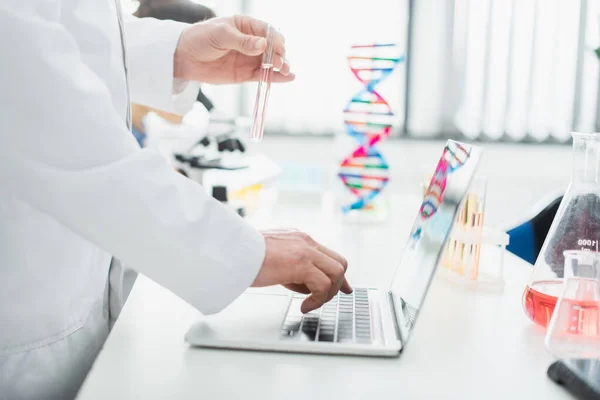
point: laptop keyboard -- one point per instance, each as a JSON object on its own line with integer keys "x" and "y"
{"x": 346, "y": 319}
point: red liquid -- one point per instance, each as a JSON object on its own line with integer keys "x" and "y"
{"x": 578, "y": 318}
{"x": 539, "y": 302}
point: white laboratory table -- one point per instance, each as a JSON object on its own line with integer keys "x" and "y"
{"x": 466, "y": 344}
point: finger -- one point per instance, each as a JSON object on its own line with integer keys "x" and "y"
{"x": 297, "y": 288}
{"x": 333, "y": 254}
{"x": 346, "y": 288}
{"x": 277, "y": 62}
{"x": 285, "y": 70}
{"x": 279, "y": 45}
{"x": 276, "y": 77}
{"x": 256, "y": 27}
{"x": 229, "y": 38}
{"x": 333, "y": 269}
{"x": 319, "y": 285}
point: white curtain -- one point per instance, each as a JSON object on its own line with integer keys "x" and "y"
{"x": 501, "y": 69}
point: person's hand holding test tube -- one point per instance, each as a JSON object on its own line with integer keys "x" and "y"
{"x": 229, "y": 50}
{"x": 241, "y": 49}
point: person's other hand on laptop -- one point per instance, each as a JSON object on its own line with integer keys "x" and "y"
{"x": 293, "y": 259}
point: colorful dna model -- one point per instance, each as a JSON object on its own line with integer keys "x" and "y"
{"x": 454, "y": 156}
{"x": 368, "y": 119}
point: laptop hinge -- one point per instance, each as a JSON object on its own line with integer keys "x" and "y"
{"x": 394, "y": 315}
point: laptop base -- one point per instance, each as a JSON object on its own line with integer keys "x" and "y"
{"x": 254, "y": 322}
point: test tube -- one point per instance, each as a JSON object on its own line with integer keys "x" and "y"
{"x": 264, "y": 85}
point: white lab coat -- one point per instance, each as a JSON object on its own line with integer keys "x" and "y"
{"x": 76, "y": 192}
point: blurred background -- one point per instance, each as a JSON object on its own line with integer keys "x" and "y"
{"x": 516, "y": 76}
{"x": 501, "y": 70}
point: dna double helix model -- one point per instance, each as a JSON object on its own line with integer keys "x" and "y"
{"x": 368, "y": 119}
{"x": 453, "y": 157}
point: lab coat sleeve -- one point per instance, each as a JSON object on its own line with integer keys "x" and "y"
{"x": 65, "y": 151}
{"x": 151, "y": 45}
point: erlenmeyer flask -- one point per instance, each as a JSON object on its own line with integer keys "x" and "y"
{"x": 574, "y": 329}
{"x": 576, "y": 226}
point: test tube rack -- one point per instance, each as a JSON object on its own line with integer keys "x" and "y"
{"x": 462, "y": 261}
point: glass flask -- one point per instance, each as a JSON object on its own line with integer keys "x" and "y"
{"x": 576, "y": 226}
{"x": 574, "y": 328}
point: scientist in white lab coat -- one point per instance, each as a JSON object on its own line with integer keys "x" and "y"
{"x": 79, "y": 199}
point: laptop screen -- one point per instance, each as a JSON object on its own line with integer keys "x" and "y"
{"x": 427, "y": 240}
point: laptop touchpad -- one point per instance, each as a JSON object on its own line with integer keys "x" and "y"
{"x": 252, "y": 317}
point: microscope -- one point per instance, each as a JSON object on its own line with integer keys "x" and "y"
{"x": 220, "y": 147}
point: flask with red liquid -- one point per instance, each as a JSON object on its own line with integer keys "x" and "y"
{"x": 576, "y": 226}
{"x": 574, "y": 329}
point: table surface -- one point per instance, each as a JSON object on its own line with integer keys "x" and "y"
{"x": 466, "y": 343}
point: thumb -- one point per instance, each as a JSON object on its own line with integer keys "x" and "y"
{"x": 233, "y": 39}
{"x": 251, "y": 45}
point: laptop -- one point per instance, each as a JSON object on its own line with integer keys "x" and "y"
{"x": 369, "y": 321}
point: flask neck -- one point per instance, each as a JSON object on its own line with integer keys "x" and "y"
{"x": 586, "y": 158}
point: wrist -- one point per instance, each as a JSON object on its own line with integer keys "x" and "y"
{"x": 180, "y": 58}
{"x": 178, "y": 64}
